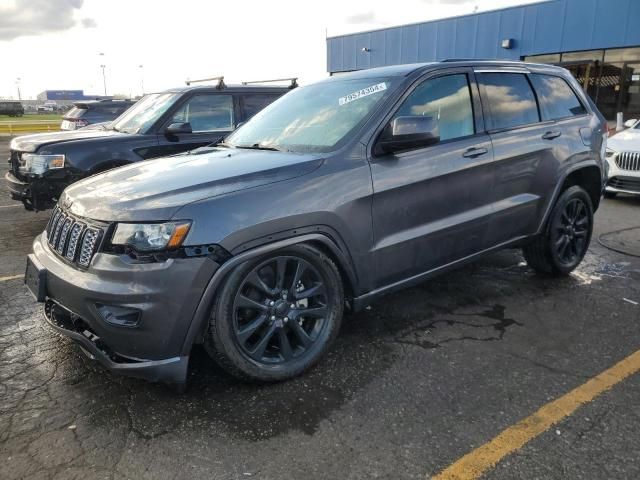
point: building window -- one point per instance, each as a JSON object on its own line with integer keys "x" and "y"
{"x": 622, "y": 55}
{"x": 588, "y": 55}
{"x": 551, "y": 58}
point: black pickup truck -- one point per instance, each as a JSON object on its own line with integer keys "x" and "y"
{"x": 160, "y": 124}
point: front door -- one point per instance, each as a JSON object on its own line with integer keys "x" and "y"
{"x": 211, "y": 117}
{"x": 430, "y": 204}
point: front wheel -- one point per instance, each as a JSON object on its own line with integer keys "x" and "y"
{"x": 276, "y": 315}
{"x": 563, "y": 245}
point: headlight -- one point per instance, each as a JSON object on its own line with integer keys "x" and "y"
{"x": 38, "y": 164}
{"x": 146, "y": 237}
{"x": 610, "y": 153}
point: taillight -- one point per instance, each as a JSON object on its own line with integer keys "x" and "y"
{"x": 81, "y": 123}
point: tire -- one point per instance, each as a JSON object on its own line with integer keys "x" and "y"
{"x": 251, "y": 307}
{"x": 610, "y": 194}
{"x": 565, "y": 241}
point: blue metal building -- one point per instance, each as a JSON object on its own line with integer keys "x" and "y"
{"x": 597, "y": 40}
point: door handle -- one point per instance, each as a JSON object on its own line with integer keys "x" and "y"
{"x": 474, "y": 152}
{"x": 550, "y": 135}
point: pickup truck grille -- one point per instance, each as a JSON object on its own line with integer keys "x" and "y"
{"x": 628, "y": 161}
{"x": 14, "y": 160}
{"x": 73, "y": 239}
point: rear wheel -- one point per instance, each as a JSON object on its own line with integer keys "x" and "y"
{"x": 276, "y": 315}
{"x": 566, "y": 239}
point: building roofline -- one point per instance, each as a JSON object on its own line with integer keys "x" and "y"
{"x": 436, "y": 20}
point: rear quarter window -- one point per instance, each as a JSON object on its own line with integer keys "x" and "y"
{"x": 556, "y": 98}
{"x": 253, "y": 103}
{"x": 509, "y": 100}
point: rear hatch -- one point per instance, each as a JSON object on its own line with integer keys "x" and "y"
{"x": 73, "y": 120}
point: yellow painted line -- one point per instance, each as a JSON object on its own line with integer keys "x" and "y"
{"x": 485, "y": 457}
{"x": 13, "y": 277}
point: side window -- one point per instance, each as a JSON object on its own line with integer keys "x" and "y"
{"x": 555, "y": 97}
{"x": 253, "y": 103}
{"x": 511, "y": 102}
{"x": 446, "y": 99}
{"x": 206, "y": 113}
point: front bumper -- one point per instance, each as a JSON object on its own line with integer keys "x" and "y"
{"x": 165, "y": 294}
{"x": 622, "y": 181}
{"x": 39, "y": 194}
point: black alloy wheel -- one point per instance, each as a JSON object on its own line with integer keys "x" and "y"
{"x": 565, "y": 240}
{"x": 570, "y": 231}
{"x": 276, "y": 315}
{"x": 280, "y": 310}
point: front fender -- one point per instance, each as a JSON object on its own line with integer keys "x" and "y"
{"x": 200, "y": 318}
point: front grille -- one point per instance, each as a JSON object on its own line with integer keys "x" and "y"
{"x": 631, "y": 184}
{"x": 73, "y": 239}
{"x": 628, "y": 161}
{"x": 14, "y": 160}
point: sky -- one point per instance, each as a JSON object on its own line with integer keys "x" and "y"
{"x": 61, "y": 44}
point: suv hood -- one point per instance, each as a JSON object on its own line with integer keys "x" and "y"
{"x": 625, "y": 141}
{"x": 30, "y": 143}
{"x": 155, "y": 189}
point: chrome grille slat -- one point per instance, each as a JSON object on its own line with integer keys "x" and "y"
{"x": 629, "y": 161}
{"x": 74, "y": 236}
{"x": 73, "y": 239}
{"x": 63, "y": 235}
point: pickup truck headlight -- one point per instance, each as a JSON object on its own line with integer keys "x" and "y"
{"x": 148, "y": 237}
{"x": 38, "y": 164}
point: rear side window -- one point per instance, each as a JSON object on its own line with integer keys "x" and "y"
{"x": 447, "y": 100}
{"x": 555, "y": 97}
{"x": 207, "y": 113}
{"x": 75, "y": 112}
{"x": 111, "y": 109}
{"x": 511, "y": 102}
{"x": 253, "y": 103}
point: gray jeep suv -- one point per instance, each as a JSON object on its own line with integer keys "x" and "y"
{"x": 335, "y": 194}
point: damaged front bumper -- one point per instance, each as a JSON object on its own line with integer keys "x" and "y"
{"x": 38, "y": 194}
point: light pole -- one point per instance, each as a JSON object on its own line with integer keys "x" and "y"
{"x": 141, "y": 67}
{"x": 18, "y": 85}
{"x": 104, "y": 78}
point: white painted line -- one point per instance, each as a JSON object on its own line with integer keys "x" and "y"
{"x": 630, "y": 301}
{"x": 10, "y": 206}
{"x": 13, "y": 277}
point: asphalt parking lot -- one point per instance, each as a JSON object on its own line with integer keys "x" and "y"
{"x": 422, "y": 378}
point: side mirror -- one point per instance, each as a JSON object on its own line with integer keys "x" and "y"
{"x": 411, "y": 132}
{"x": 177, "y": 128}
{"x": 631, "y": 122}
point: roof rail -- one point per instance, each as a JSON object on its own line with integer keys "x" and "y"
{"x": 478, "y": 60}
{"x": 293, "y": 80}
{"x": 220, "y": 80}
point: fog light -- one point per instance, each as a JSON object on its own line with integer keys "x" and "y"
{"x": 119, "y": 316}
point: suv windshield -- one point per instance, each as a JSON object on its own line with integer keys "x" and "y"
{"x": 314, "y": 118}
{"x": 144, "y": 113}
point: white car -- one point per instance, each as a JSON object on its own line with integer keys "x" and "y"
{"x": 623, "y": 159}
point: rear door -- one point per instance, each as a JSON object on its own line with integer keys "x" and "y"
{"x": 212, "y": 117}
{"x": 252, "y": 103}
{"x": 527, "y": 151}
{"x": 431, "y": 205}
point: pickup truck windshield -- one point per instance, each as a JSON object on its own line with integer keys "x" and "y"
{"x": 315, "y": 118}
{"x": 144, "y": 113}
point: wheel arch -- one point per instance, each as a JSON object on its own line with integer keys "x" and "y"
{"x": 585, "y": 174}
{"x": 319, "y": 239}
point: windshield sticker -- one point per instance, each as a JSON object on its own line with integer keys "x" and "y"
{"x": 362, "y": 93}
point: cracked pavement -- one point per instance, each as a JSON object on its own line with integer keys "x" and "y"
{"x": 413, "y": 383}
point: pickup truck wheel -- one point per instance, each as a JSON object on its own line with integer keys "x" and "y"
{"x": 566, "y": 239}
{"x": 277, "y": 315}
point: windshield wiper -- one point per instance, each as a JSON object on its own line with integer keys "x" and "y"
{"x": 257, "y": 146}
{"x": 220, "y": 144}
